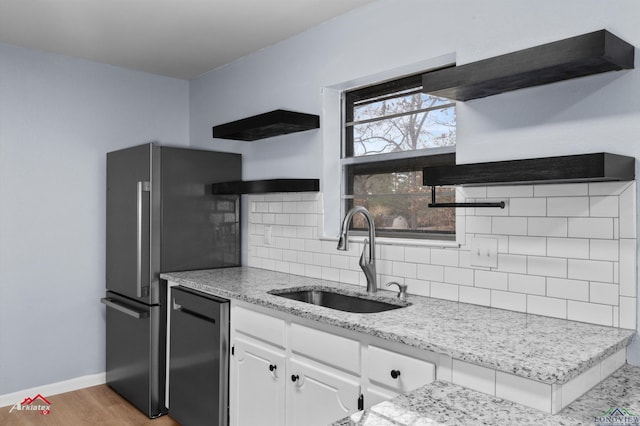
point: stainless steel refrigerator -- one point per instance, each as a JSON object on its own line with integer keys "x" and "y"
{"x": 161, "y": 217}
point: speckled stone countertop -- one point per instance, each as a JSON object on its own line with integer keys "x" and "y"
{"x": 545, "y": 349}
{"x": 445, "y": 403}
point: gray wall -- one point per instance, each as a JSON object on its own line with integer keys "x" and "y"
{"x": 58, "y": 118}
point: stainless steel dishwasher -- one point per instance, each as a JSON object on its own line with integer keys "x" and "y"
{"x": 198, "y": 358}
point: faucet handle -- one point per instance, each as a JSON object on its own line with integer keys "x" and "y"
{"x": 402, "y": 294}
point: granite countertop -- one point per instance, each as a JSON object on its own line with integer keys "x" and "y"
{"x": 545, "y": 349}
{"x": 449, "y": 404}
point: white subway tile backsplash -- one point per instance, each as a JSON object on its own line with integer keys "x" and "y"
{"x": 604, "y": 250}
{"x": 313, "y": 271}
{"x": 417, "y": 254}
{"x": 331, "y": 274}
{"x": 568, "y": 289}
{"x": 547, "y": 226}
{"x": 510, "y": 191}
{"x": 628, "y": 212}
{"x": 392, "y": 253}
{"x": 478, "y": 296}
{"x": 405, "y": 270}
{"x": 530, "y": 284}
{"x": 296, "y": 220}
{"x": 606, "y": 206}
{"x": 322, "y": 259}
{"x": 627, "y": 268}
{"x": 568, "y": 206}
{"x": 595, "y": 270}
{"x": 568, "y": 247}
{"x": 512, "y": 263}
{"x": 464, "y": 259}
{"x": 509, "y": 225}
{"x": 564, "y": 250}
{"x": 461, "y": 276}
{"x": 528, "y": 207}
{"x": 603, "y": 293}
{"x": 446, "y": 257}
{"x": 340, "y": 262}
{"x": 535, "y": 246}
{"x": 275, "y": 207}
{"x": 290, "y": 207}
{"x": 628, "y": 312}
{"x": 305, "y": 257}
{"x": 591, "y": 228}
{"x": 444, "y": 291}
{"x": 607, "y": 188}
{"x": 590, "y": 312}
{"x": 491, "y": 279}
{"x": 561, "y": 190}
{"x": 430, "y": 272}
{"x": 349, "y": 277}
{"x": 473, "y": 191}
{"x": 478, "y": 224}
{"x": 547, "y": 306}
{"x": 509, "y": 300}
{"x": 316, "y": 246}
{"x": 547, "y": 266}
{"x": 297, "y": 268}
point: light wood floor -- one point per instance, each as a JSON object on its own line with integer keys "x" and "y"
{"x": 97, "y": 405}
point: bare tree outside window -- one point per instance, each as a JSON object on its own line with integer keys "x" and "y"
{"x": 403, "y": 121}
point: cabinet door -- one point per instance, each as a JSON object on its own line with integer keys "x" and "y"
{"x": 257, "y": 386}
{"x": 319, "y": 396}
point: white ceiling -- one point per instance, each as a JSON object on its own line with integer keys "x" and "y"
{"x": 177, "y": 38}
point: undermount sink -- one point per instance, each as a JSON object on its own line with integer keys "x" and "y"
{"x": 342, "y": 302}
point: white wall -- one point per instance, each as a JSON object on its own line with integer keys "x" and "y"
{"x": 58, "y": 118}
{"x": 592, "y": 114}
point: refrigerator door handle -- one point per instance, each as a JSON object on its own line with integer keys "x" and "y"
{"x": 142, "y": 187}
{"x": 132, "y": 312}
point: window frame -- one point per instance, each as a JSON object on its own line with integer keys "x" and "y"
{"x": 403, "y": 161}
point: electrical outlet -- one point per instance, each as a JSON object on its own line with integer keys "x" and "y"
{"x": 484, "y": 252}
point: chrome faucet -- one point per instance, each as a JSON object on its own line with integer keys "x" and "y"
{"x": 368, "y": 266}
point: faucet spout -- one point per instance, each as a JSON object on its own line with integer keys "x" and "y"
{"x": 368, "y": 265}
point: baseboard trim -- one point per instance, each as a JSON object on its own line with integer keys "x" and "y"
{"x": 54, "y": 388}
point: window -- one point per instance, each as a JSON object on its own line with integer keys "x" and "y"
{"x": 393, "y": 131}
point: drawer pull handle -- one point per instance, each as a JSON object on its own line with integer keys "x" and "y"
{"x": 272, "y": 367}
{"x": 395, "y": 373}
{"x": 295, "y": 377}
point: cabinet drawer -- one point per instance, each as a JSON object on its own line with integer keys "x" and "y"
{"x": 410, "y": 373}
{"x": 337, "y": 351}
{"x": 260, "y": 326}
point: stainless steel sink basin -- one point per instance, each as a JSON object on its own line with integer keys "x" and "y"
{"x": 339, "y": 301}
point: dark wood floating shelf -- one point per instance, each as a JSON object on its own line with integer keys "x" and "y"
{"x": 266, "y": 186}
{"x": 598, "y": 167}
{"x": 274, "y": 123}
{"x": 579, "y": 56}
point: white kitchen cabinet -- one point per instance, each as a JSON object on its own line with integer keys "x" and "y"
{"x": 257, "y": 383}
{"x": 319, "y": 395}
{"x": 290, "y": 371}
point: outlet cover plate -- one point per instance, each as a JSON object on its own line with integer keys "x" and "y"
{"x": 484, "y": 252}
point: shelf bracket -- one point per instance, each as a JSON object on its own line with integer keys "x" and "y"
{"x": 435, "y": 204}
